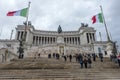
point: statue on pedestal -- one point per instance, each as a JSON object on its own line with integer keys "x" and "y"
{"x": 59, "y": 29}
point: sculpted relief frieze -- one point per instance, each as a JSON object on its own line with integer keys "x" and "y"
{"x": 60, "y": 39}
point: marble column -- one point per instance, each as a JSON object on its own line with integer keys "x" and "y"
{"x": 69, "y": 40}
{"x": 93, "y": 37}
{"x": 38, "y": 40}
{"x": 74, "y": 40}
{"x": 77, "y": 41}
{"x": 51, "y": 40}
{"x": 35, "y": 40}
{"x": 44, "y": 40}
{"x": 20, "y": 36}
{"x": 89, "y": 38}
{"x": 41, "y": 40}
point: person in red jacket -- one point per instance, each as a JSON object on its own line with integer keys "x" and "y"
{"x": 119, "y": 59}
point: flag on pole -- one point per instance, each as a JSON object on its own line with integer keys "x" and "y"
{"x": 97, "y": 18}
{"x": 22, "y": 12}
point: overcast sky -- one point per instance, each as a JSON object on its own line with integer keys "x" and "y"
{"x": 48, "y": 14}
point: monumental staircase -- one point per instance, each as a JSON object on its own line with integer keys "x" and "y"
{"x": 57, "y": 69}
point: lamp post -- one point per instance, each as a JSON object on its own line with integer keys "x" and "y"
{"x": 22, "y": 43}
{"x": 114, "y": 51}
{"x": 21, "y": 49}
{"x": 23, "y": 40}
{"x": 93, "y": 54}
{"x": 92, "y": 45}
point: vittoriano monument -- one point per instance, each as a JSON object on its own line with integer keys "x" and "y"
{"x": 30, "y": 41}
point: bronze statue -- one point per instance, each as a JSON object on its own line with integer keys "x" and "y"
{"x": 84, "y": 25}
{"x": 59, "y": 29}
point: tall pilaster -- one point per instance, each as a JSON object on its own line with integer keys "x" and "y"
{"x": 35, "y": 40}
{"x": 41, "y": 40}
{"x": 38, "y": 40}
{"x": 20, "y": 36}
{"x": 77, "y": 40}
{"x": 89, "y": 38}
{"x": 44, "y": 40}
{"x": 73, "y": 40}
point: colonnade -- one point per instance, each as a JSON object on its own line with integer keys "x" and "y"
{"x": 72, "y": 40}
{"x": 20, "y": 35}
{"x": 40, "y": 40}
{"x": 90, "y": 37}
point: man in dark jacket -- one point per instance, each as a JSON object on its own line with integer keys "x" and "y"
{"x": 70, "y": 57}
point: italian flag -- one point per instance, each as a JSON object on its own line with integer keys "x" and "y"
{"x": 97, "y": 18}
{"x": 22, "y": 12}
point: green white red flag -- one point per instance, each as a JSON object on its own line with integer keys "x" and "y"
{"x": 97, "y": 18}
{"x": 22, "y": 12}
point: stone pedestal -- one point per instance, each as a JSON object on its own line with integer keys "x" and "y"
{"x": 109, "y": 48}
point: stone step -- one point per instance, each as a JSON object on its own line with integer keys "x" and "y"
{"x": 52, "y": 69}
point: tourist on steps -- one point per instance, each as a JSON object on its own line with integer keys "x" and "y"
{"x": 65, "y": 58}
{"x": 49, "y": 55}
{"x": 94, "y": 57}
{"x": 70, "y": 57}
{"x": 89, "y": 62}
{"x": 85, "y": 62}
{"x": 101, "y": 57}
{"x": 81, "y": 62}
{"x": 119, "y": 60}
{"x": 76, "y": 57}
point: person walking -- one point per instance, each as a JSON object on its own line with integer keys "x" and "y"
{"x": 89, "y": 62}
{"x": 76, "y": 57}
{"x": 118, "y": 60}
{"x": 85, "y": 62}
{"x": 81, "y": 62}
{"x": 65, "y": 58}
{"x": 94, "y": 57}
{"x": 70, "y": 57}
{"x": 101, "y": 57}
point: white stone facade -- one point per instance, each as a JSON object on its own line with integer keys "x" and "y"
{"x": 66, "y": 42}
{"x": 48, "y": 42}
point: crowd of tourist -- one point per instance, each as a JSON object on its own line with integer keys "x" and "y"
{"x": 85, "y": 60}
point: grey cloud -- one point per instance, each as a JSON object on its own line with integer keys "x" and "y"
{"x": 48, "y": 14}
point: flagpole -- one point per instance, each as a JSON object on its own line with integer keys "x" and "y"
{"x": 28, "y": 13}
{"x": 108, "y": 37}
{"x": 26, "y": 23}
{"x": 100, "y": 36}
{"x": 11, "y": 34}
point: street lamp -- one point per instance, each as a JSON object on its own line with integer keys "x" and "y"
{"x": 21, "y": 49}
{"x": 114, "y": 51}
{"x": 92, "y": 45}
{"x": 22, "y": 43}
